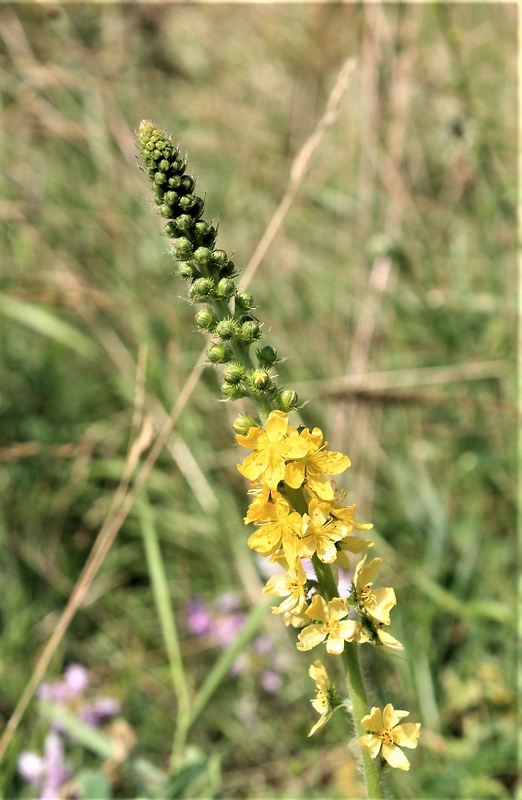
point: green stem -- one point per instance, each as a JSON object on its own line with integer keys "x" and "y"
{"x": 160, "y": 589}
{"x": 359, "y": 701}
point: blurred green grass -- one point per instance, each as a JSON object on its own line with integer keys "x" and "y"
{"x": 397, "y": 254}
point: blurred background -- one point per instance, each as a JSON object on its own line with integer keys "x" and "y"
{"x": 390, "y": 289}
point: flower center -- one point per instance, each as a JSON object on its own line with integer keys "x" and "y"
{"x": 385, "y": 736}
{"x": 365, "y": 594}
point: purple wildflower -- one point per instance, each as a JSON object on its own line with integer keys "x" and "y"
{"x": 49, "y": 772}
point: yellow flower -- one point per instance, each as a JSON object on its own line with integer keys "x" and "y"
{"x": 352, "y": 544}
{"x": 291, "y": 585}
{"x": 346, "y": 515}
{"x": 295, "y": 620}
{"x": 320, "y": 533}
{"x": 279, "y": 527}
{"x": 324, "y": 695}
{"x": 387, "y": 734}
{"x": 316, "y": 462}
{"x": 389, "y": 642}
{"x": 272, "y": 447}
{"x": 377, "y": 603}
{"x": 335, "y": 629}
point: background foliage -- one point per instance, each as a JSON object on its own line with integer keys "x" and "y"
{"x": 395, "y": 263}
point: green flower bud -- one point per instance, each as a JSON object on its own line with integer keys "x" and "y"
{"x": 209, "y": 237}
{"x": 225, "y": 288}
{"x": 201, "y": 289}
{"x": 184, "y": 222}
{"x": 232, "y": 392}
{"x": 178, "y": 166}
{"x": 234, "y": 374}
{"x": 160, "y": 178}
{"x": 226, "y": 329}
{"x": 171, "y": 197}
{"x": 219, "y": 258}
{"x": 191, "y": 203}
{"x": 165, "y": 210}
{"x": 187, "y": 270}
{"x": 244, "y": 301}
{"x": 219, "y": 354}
{"x": 187, "y": 184}
{"x": 243, "y": 423}
{"x": 288, "y": 400}
{"x": 266, "y": 356}
{"x": 171, "y": 229}
{"x": 260, "y": 380}
{"x": 250, "y": 331}
{"x": 164, "y": 165}
{"x": 202, "y": 256}
{"x": 206, "y": 319}
{"x": 227, "y": 270}
{"x": 182, "y": 249}
{"x": 174, "y": 182}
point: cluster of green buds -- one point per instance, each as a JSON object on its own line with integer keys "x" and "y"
{"x": 227, "y": 314}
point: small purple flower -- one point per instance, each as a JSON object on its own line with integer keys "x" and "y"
{"x": 199, "y": 621}
{"x": 48, "y": 773}
{"x": 270, "y": 681}
{"x": 225, "y": 629}
{"x": 75, "y": 680}
{"x": 99, "y": 710}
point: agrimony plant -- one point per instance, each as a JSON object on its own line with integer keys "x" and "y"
{"x": 301, "y": 522}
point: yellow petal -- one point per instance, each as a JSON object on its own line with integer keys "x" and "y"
{"x": 391, "y": 716}
{"x": 317, "y": 608}
{"x": 276, "y": 425}
{"x": 395, "y": 757}
{"x": 373, "y": 720}
{"x": 294, "y": 474}
{"x": 310, "y": 637}
{"x": 407, "y": 734}
{"x": 371, "y": 742}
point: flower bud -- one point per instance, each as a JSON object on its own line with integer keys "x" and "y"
{"x": 171, "y": 197}
{"x": 206, "y": 319}
{"x": 244, "y": 301}
{"x": 209, "y": 237}
{"x": 232, "y": 392}
{"x": 288, "y": 400}
{"x": 182, "y": 248}
{"x": 187, "y": 184}
{"x": 188, "y": 201}
{"x": 178, "y": 165}
{"x": 225, "y": 288}
{"x": 234, "y": 374}
{"x": 219, "y": 354}
{"x": 201, "y": 289}
{"x": 260, "y": 380}
{"x": 187, "y": 270}
{"x": 219, "y": 258}
{"x": 227, "y": 270}
{"x": 185, "y": 222}
{"x": 202, "y": 256}
{"x": 165, "y": 210}
{"x": 250, "y": 331}
{"x": 171, "y": 229}
{"x": 243, "y": 423}
{"x": 160, "y": 178}
{"x": 164, "y": 165}
{"x": 174, "y": 182}
{"x": 226, "y": 329}
{"x": 266, "y": 356}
